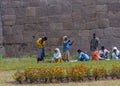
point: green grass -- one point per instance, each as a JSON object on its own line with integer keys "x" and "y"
{"x": 23, "y": 63}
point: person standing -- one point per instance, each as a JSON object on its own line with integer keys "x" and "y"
{"x": 41, "y": 53}
{"x": 66, "y": 46}
{"x": 94, "y": 47}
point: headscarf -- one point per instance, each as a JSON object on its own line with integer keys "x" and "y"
{"x": 117, "y": 51}
{"x": 57, "y": 54}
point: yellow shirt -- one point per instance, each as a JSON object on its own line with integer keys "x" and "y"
{"x": 39, "y": 43}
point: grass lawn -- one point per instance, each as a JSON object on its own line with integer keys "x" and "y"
{"x": 23, "y": 63}
{"x": 8, "y": 66}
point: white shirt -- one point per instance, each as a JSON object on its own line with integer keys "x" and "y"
{"x": 102, "y": 52}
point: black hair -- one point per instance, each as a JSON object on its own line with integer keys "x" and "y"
{"x": 45, "y": 38}
{"x": 102, "y": 47}
{"x": 79, "y": 51}
{"x": 94, "y": 34}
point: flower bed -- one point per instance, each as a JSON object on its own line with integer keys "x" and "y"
{"x": 60, "y": 75}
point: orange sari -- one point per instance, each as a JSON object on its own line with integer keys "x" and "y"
{"x": 95, "y": 55}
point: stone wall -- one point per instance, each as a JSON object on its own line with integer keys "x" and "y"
{"x": 23, "y": 21}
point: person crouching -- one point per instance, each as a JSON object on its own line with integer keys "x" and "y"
{"x": 57, "y": 57}
{"x": 82, "y": 56}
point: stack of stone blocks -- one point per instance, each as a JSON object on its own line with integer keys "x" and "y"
{"x": 22, "y": 22}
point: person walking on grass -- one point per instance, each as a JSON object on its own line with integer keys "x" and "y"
{"x": 41, "y": 53}
{"x": 66, "y": 46}
{"x": 94, "y": 47}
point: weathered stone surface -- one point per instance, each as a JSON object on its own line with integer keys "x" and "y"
{"x": 114, "y": 7}
{"x": 2, "y": 50}
{"x": 85, "y": 33}
{"x": 30, "y": 11}
{"x": 103, "y": 23}
{"x": 56, "y": 26}
{"x": 101, "y": 8}
{"x": 9, "y": 19}
{"x": 22, "y": 22}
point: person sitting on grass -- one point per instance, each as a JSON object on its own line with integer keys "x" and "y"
{"x": 103, "y": 53}
{"x": 82, "y": 56}
{"x": 115, "y": 53}
{"x": 57, "y": 57}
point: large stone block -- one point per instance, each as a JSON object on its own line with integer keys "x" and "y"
{"x": 9, "y": 19}
{"x": 88, "y": 9}
{"x": 103, "y": 23}
{"x": 79, "y": 26}
{"x": 116, "y": 32}
{"x": 34, "y": 3}
{"x": 91, "y": 25}
{"x": 101, "y": 8}
{"x": 56, "y": 26}
{"x": 114, "y": 7}
{"x": 8, "y": 11}
{"x": 2, "y": 50}
{"x": 100, "y": 33}
{"x": 18, "y": 33}
{"x": 102, "y": 14}
{"x": 16, "y": 3}
{"x": 7, "y": 30}
{"x": 89, "y": 2}
{"x": 1, "y": 39}
{"x": 30, "y": 27}
{"x": 77, "y": 17}
{"x": 31, "y": 20}
{"x": 114, "y": 22}
{"x": 43, "y": 21}
{"x": 21, "y": 11}
{"x": 28, "y": 36}
{"x": 66, "y": 6}
{"x": 108, "y": 33}
{"x": 20, "y": 20}
{"x": 31, "y": 11}
{"x": 53, "y": 41}
{"x": 42, "y": 11}
{"x": 101, "y": 1}
{"x": 55, "y": 19}
{"x": 85, "y": 33}
{"x": 77, "y": 7}
{"x": 67, "y": 18}
{"x": 6, "y": 3}
{"x": 90, "y": 17}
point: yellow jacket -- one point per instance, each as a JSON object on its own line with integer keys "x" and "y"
{"x": 39, "y": 43}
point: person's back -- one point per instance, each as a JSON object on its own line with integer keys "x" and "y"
{"x": 83, "y": 56}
